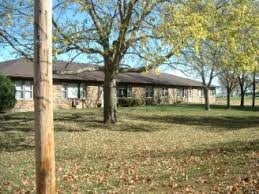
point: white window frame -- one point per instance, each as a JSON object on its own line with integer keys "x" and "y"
{"x": 82, "y": 91}
{"x": 179, "y": 92}
{"x": 150, "y": 91}
{"x": 164, "y": 91}
{"x": 78, "y": 93}
{"x": 212, "y": 92}
{"x": 23, "y": 89}
{"x": 72, "y": 90}
{"x": 127, "y": 88}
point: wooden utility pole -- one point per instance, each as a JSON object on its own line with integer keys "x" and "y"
{"x": 43, "y": 103}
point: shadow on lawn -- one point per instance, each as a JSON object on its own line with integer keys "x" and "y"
{"x": 12, "y": 142}
{"x": 214, "y": 122}
{"x": 217, "y": 107}
{"x": 84, "y": 120}
{"x": 237, "y": 148}
{"x": 66, "y": 122}
{"x": 16, "y": 122}
{"x": 135, "y": 127}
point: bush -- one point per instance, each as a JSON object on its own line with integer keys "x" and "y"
{"x": 127, "y": 102}
{"x": 150, "y": 101}
{"x": 7, "y": 94}
{"x": 136, "y": 102}
{"x": 179, "y": 101}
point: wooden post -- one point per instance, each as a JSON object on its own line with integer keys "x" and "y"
{"x": 43, "y": 105}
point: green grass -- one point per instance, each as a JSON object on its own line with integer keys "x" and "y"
{"x": 234, "y": 101}
{"x": 153, "y": 149}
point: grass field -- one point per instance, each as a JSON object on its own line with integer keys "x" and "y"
{"x": 236, "y": 101}
{"x": 155, "y": 149}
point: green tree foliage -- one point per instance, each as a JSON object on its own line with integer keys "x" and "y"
{"x": 241, "y": 35}
{"x": 7, "y": 93}
{"x": 213, "y": 35}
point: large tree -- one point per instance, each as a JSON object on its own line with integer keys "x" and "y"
{"x": 110, "y": 32}
{"x": 245, "y": 81}
{"x": 243, "y": 41}
{"x": 229, "y": 80}
{"x": 203, "y": 64}
{"x": 192, "y": 29}
{"x": 113, "y": 33}
{"x": 229, "y": 27}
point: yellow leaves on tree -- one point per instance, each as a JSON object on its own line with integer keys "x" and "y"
{"x": 232, "y": 26}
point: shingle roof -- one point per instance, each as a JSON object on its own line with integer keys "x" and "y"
{"x": 23, "y": 68}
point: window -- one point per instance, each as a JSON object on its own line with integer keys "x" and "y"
{"x": 179, "y": 92}
{"x": 190, "y": 92}
{"x": 201, "y": 92}
{"x": 73, "y": 90}
{"x": 64, "y": 90}
{"x": 183, "y": 92}
{"x": 19, "y": 90}
{"x": 24, "y": 90}
{"x": 124, "y": 91}
{"x": 163, "y": 91}
{"x": 82, "y": 91}
{"x": 213, "y": 92}
{"x": 149, "y": 92}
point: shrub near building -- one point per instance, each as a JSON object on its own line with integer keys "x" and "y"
{"x": 127, "y": 102}
{"x": 7, "y": 94}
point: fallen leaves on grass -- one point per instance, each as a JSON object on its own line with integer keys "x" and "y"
{"x": 152, "y": 154}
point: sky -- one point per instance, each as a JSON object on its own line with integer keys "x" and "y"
{"x": 6, "y": 54}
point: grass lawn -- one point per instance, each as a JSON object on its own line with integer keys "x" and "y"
{"x": 155, "y": 149}
{"x": 236, "y": 100}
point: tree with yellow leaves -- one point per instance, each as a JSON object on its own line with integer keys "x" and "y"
{"x": 213, "y": 35}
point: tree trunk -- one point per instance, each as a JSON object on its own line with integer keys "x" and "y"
{"x": 43, "y": 102}
{"x": 110, "y": 100}
{"x": 254, "y": 88}
{"x": 242, "y": 91}
{"x": 242, "y": 98}
{"x": 228, "y": 97}
{"x": 206, "y": 96}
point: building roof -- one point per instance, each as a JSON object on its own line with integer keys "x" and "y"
{"x": 23, "y": 68}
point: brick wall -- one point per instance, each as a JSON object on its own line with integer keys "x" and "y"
{"x": 23, "y": 105}
{"x": 195, "y": 97}
{"x": 171, "y": 95}
{"x": 58, "y": 100}
{"x": 138, "y": 92}
{"x": 94, "y": 97}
